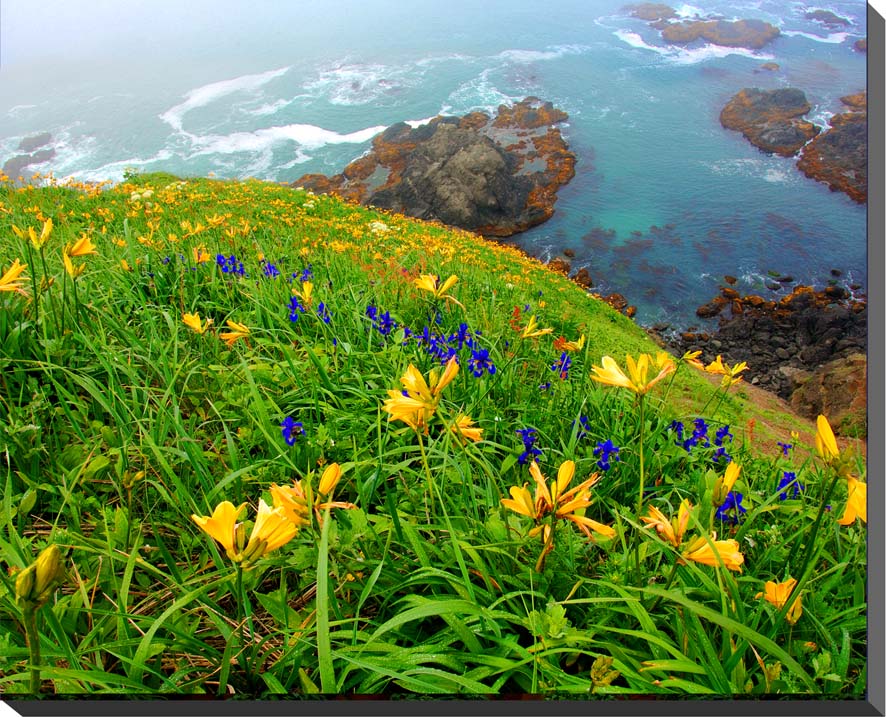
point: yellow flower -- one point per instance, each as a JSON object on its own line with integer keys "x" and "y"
{"x": 292, "y": 501}
{"x": 556, "y": 499}
{"x": 125, "y": 265}
{"x": 725, "y": 483}
{"x": 306, "y": 293}
{"x": 856, "y": 503}
{"x": 12, "y": 279}
{"x": 73, "y": 271}
{"x": 691, "y": 357}
{"x": 464, "y": 428}
{"x": 530, "y": 330}
{"x": 38, "y": 242}
{"x": 777, "y": 594}
{"x": 194, "y": 322}
{"x": 272, "y": 530}
{"x": 238, "y": 331}
{"x": 430, "y": 282}
{"x": 729, "y": 373}
{"x": 710, "y": 551}
{"x": 420, "y": 402}
{"x": 221, "y": 525}
{"x": 82, "y": 247}
{"x": 521, "y": 502}
{"x": 575, "y": 345}
{"x": 825, "y": 442}
{"x": 201, "y": 255}
{"x": 612, "y": 375}
{"x": 670, "y": 530}
{"x": 329, "y": 479}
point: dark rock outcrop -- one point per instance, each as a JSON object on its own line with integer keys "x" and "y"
{"x": 650, "y": 11}
{"x": 838, "y": 157}
{"x": 827, "y": 18}
{"x": 752, "y": 34}
{"x": 494, "y": 176}
{"x": 785, "y": 342}
{"x": 769, "y": 119}
{"x": 29, "y": 144}
{"x": 15, "y": 166}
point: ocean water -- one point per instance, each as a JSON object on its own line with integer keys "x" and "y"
{"x": 664, "y": 202}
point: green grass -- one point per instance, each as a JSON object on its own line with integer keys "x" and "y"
{"x": 119, "y": 421}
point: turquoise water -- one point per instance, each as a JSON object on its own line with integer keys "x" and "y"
{"x": 664, "y": 203}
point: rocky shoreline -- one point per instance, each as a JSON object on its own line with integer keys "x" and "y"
{"x": 772, "y": 121}
{"x": 495, "y": 176}
{"x": 808, "y": 347}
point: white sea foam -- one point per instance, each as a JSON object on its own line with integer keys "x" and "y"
{"x": 307, "y": 136}
{"x": 268, "y": 108}
{"x": 480, "y": 94}
{"x": 420, "y": 122}
{"x": 554, "y": 52}
{"x": 688, "y": 56}
{"x": 112, "y": 170}
{"x": 18, "y": 109}
{"x": 202, "y": 96}
{"x": 359, "y": 84}
{"x": 634, "y": 40}
{"x": 775, "y": 170}
{"x": 687, "y": 11}
{"x": 832, "y": 39}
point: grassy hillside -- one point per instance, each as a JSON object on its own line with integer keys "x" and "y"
{"x": 180, "y": 356}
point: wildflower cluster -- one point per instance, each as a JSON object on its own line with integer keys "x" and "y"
{"x": 230, "y": 264}
{"x": 530, "y": 451}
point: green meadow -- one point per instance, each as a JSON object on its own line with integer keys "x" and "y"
{"x": 257, "y": 442}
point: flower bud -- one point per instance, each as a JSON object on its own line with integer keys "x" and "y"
{"x": 721, "y": 490}
{"x": 329, "y": 479}
{"x": 50, "y": 573}
{"x": 24, "y": 585}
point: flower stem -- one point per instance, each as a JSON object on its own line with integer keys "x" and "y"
{"x": 429, "y": 498}
{"x": 642, "y": 463}
{"x": 30, "y": 622}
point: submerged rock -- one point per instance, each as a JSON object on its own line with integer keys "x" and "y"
{"x": 839, "y": 157}
{"x": 495, "y": 176}
{"x": 769, "y": 119}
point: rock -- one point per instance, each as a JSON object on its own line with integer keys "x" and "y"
{"x": 785, "y": 279}
{"x": 29, "y": 144}
{"x": 836, "y": 272}
{"x": 560, "y": 265}
{"x": 15, "y": 166}
{"x": 784, "y": 341}
{"x": 651, "y": 11}
{"x": 729, "y": 279}
{"x": 857, "y": 102}
{"x": 861, "y": 45}
{"x": 712, "y": 308}
{"x": 752, "y": 34}
{"x": 826, "y": 17}
{"x": 569, "y": 253}
{"x": 583, "y": 278}
{"x": 770, "y": 66}
{"x": 769, "y": 119}
{"x": 838, "y": 389}
{"x": 495, "y": 176}
{"x": 838, "y": 157}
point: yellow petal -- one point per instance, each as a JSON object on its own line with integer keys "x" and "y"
{"x": 825, "y": 441}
